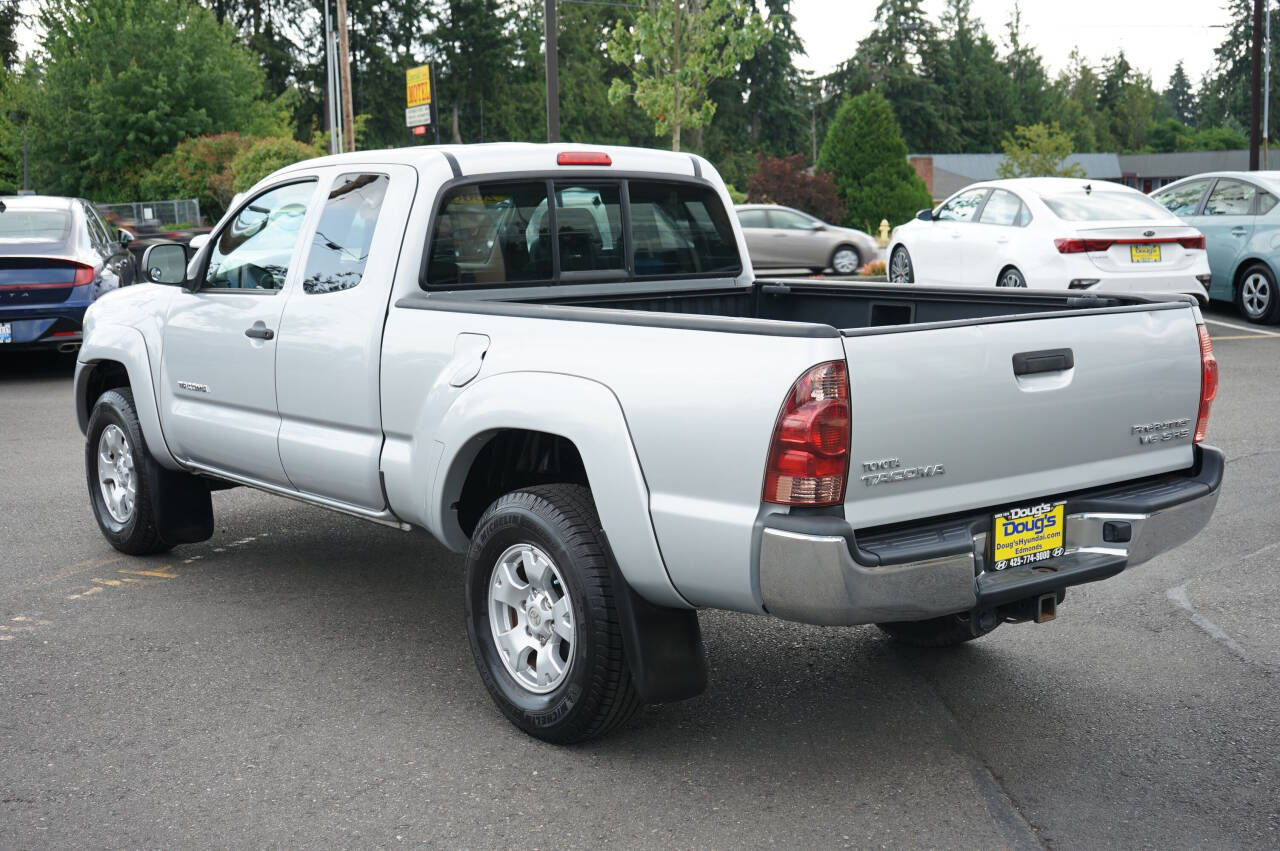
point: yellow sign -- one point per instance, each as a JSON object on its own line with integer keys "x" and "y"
{"x": 418, "y": 86}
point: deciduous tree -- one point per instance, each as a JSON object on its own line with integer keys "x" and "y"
{"x": 1040, "y": 150}
{"x": 784, "y": 180}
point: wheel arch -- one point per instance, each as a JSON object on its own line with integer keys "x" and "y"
{"x": 1243, "y": 266}
{"x": 570, "y": 427}
{"x": 116, "y": 356}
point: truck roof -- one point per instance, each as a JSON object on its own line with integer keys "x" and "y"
{"x": 509, "y": 157}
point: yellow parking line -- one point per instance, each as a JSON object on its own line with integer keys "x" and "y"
{"x": 1247, "y": 337}
{"x": 158, "y": 574}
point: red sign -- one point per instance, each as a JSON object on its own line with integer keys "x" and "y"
{"x": 420, "y": 130}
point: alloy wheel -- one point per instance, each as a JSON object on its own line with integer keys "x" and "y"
{"x": 900, "y": 267}
{"x": 531, "y": 617}
{"x": 116, "y": 474}
{"x": 845, "y": 261}
{"x": 1256, "y": 294}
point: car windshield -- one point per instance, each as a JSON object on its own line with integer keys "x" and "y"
{"x": 34, "y": 224}
{"x": 1102, "y": 206}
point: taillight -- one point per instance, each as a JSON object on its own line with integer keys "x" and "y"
{"x": 1081, "y": 246}
{"x": 809, "y": 454}
{"x": 1192, "y": 242}
{"x": 1208, "y": 383}
{"x": 84, "y": 275}
{"x": 583, "y": 158}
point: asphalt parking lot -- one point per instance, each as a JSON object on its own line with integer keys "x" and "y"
{"x": 303, "y": 679}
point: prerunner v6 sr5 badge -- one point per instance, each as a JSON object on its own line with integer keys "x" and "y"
{"x": 1028, "y": 535}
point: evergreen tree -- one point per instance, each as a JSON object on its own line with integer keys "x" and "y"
{"x": 972, "y": 80}
{"x": 1180, "y": 97}
{"x": 1032, "y": 93}
{"x": 867, "y": 158}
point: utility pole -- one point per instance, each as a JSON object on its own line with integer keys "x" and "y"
{"x": 1255, "y": 86}
{"x": 553, "y": 72}
{"x": 344, "y": 66}
{"x": 1266, "y": 90}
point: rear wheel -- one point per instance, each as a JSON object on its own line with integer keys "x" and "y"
{"x": 122, "y": 476}
{"x": 1256, "y": 296}
{"x": 846, "y": 260}
{"x": 945, "y": 631}
{"x": 1011, "y": 277}
{"x": 900, "y": 268}
{"x": 541, "y": 617}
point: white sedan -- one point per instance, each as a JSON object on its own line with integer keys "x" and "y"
{"x": 1051, "y": 233}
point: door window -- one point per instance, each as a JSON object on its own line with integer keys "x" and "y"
{"x": 97, "y": 232}
{"x": 1002, "y": 209}
{"x": 1184, "y": 199}
{"x": 1230, "y": 198}
{"x": 962, "y": 207}
{"x": 752, "y": 219}
{"x": 340, "y": 247}
{"x": 790, "y": 220}
{"x": 681, "y": 229}
{"x": 254, "y": 249}
{"x": 485, "y": 234}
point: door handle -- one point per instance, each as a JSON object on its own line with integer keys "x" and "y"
{"x": 1002, "y": 240}
{"x": 1045, "y": 360}
{"x": 1238, "y": 231}
{"x": 259, "y": 331}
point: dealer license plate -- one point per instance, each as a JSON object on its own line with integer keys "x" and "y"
{"x": 1144, "y": 253}
{"x": 6, "y": 332}
{"x": 1028, "y": 535}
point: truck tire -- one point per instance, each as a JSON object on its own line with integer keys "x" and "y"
{"x": 541, "y": 616}
{"x": 122, "y": 476}
{"x": 945, "y": 631}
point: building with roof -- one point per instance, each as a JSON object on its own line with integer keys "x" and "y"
{"x": 946, "y": 174}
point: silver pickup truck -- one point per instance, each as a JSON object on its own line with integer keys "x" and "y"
{"x": 557, "y": 360}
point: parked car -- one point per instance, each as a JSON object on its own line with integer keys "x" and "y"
{"x": 784, "y": 238}
{"x": 1237, "y": 213}
{"x": 1051, "y": 233}
{"x": 56, "y": 257}
{"x": 619, "y": 431}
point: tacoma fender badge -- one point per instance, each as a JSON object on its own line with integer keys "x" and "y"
{"x": 193, "y": 387}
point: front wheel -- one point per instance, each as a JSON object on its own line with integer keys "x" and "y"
{"x": 541, "y": 617}
{"x": 845, "y": 260}
{"x": 900, "y": 268}
{"x": 1256, "y": 297}
{"x": 121, "y": 476}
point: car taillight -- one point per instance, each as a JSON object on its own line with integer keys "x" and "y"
{"x": 84, "y": 275}
{"x": 1081, "y": 246}
{"x": 1208, "y": 384}
{"x": 1192, "y": 241}
{"x": 809, "y": 454}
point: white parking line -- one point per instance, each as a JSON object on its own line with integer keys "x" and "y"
{"x": 1252, "y": 329}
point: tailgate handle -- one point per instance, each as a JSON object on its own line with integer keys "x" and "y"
{"x": 1045, "y": 360}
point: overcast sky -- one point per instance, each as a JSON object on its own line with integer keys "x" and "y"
{"x": 1154, "y": 34}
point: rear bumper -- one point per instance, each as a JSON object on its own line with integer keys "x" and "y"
{"x": 817, "y": 570}
{"x": 34, "y": 325}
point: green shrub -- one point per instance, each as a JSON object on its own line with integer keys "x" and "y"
{"x": 867, "y": 159}
{"x": 198, "y": 168}
{"x": 265, "y": 156}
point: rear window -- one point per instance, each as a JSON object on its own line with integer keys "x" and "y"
{"x": 1103, "y": 206}
{"x": 35, "y": 224}
{"x": 488, "y": 234}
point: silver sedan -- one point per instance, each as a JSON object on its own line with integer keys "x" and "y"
{"x": 782, "y": 238}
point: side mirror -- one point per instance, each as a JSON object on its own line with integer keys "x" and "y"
{"x": 925, "y": 215}
{"x": 819, "y": 226}
{"x": 198, "y": 241}
{"x": 125, "y": 237}
{"x": 165, "y": 263}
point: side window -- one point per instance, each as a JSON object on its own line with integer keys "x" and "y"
{"x": 1182, "y": 200}
{"x": 97, "y": 233}
{"x": 253, "y": 250}
{"x": 788, "y": 220}
{"x": 1265, "y": 202}
{"x": 340, "y": 247}
{"x": 962, "y": 207}
{"x": 1230, "y": 198}
{"x": 1002, "y": 209}
{"x": 752, "y": 219}
{"x": 486, "y": 233}
{"x": 589, "y": 227}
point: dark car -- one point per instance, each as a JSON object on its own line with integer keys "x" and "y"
{"x": 56, "y": 257}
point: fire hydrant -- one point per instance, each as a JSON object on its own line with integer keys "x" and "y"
{"x": 883, "y": 238}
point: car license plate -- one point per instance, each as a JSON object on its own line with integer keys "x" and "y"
{"x": 1028, "y": 535}
{"x": 1144, "y": 253}
{"x": 6, "y": 332}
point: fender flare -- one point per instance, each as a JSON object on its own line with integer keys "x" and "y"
{"x": 589, "y": 415}
{"x": 127, "y": 346}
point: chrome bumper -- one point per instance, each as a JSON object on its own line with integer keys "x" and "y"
{"x": 815, "y": 578}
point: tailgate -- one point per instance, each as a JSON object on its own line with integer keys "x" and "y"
{"x": 941, "y": 423}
